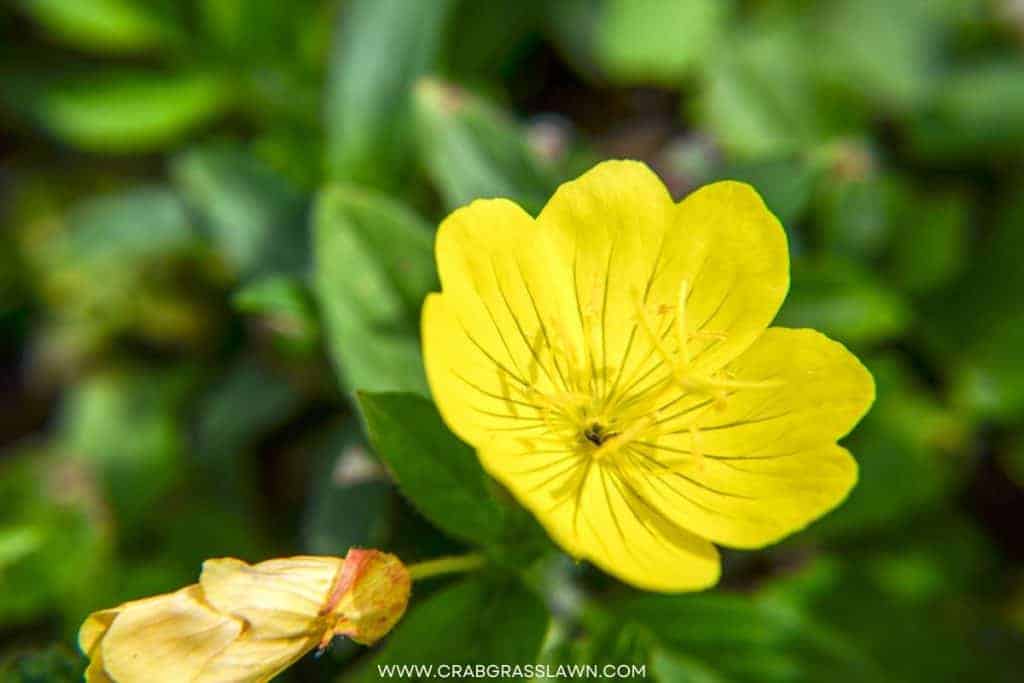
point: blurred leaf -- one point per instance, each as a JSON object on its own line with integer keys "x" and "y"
{"x": 106, "y": 25}
{"x": 128, "y": 263}
{"x": 739, "y": 638}
{"x": 131, "y": 225}
{"x": 286, "y": 306}
{"x": 881, "y": 50}
{"x": 856, "y": 215}
{"x": 975, "y": 114}
{"x": 929, "y": 241}
{"x": 650, "y": 41}
{"x": 929, "y": 580}
{"x": 673, "y": 667}
{"x": 55, "y": 664}
{"x": 974, "y": 325}
{"x": 257, "y": 221}
{"x": 490, "y": 38}
{"x": 760, "y": 99}
{"x": 473, "y": 150}
{"x": 374, "y": 265}
{"x": 271, "y": 34}
{"x": 843, "y": 301}
{"x": 351, "y": 497}
{"x": 990, "y": 381}
{"x": 439, "y": 473}
{"x": 121, "y": 111}
{"x": 985, "y": 295}
{"x": 243, "y": 406}
{"x": 129, "y": 427}
{"x": 381, "y": 48}
{"x": 484, "y": 620}
{"x": 50, "y": 512}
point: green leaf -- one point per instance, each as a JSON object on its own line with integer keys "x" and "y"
{"x": 244, "y": 405}
{"x": 50, "y": 511}
{"x": 856, "y": 215}
{"x": 351, "y": 498}
{"x": 122, "y": 111}
{"x": 929, "y": 241}
{"x": 256, "y": 220}
{"x": 286, "y": 306}
{"x": 975, "y": 114}
{"x": 883, "y": 51}
{"x": 472, "y": 150}
{"x": 739, "y": 638}
{"x": 132, "y": 225}
{"x": 936, "y": 581}
{"x": 106, "y": 25}
{"x": 989, "y": 383}
{"x": 374, "y": 266}
{"x": 760, "y": 98}
{"x": 674, "y": 667}
{"x": 127, "y": 263}
{"x": 650, "y": 41}
{"x": 847, "y": 303}
{"x": 439, "y": 474}
{"x": 487, "y": 620}
{"x": 985, "y": 296}
{"x": 381, "y": 48}
{"x": 129, "y": 427}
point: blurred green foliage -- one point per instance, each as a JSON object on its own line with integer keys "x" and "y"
{"x": 218, "y": 223}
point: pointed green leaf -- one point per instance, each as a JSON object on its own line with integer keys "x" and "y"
{"x": 374, "y": 265}
{"x": 472, "y": 149}
{"x": 381, "y": 48}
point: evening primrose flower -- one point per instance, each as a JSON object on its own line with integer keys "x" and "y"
{"x": 246, "y": 623}
{"x": 612, "y": 364}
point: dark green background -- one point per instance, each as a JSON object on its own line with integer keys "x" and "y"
{"x": 217, "y": 220}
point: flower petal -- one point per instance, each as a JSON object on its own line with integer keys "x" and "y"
{"x": 736, "y": 264}
{"x": 280, "y": 598}
{"x": 166, "y": 639}
{"x": 611, "y": 228}
{"x": 251, "y": 658}
{"x": 596, "y": 514}
{"x": 492, "y": 332}
{"x": 766, "y": 465}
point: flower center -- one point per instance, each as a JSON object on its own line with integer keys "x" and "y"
{"x": 595, "y": 433}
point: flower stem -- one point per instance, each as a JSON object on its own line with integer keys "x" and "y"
{"x": 453, "y": 564}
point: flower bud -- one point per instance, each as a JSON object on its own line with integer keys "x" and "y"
{"x": 245, "y": 622}
{"x": 373, "y": 592}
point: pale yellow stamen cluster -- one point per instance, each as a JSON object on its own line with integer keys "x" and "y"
{"x": 599, "y": 416}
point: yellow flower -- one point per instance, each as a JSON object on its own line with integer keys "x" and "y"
{"x": 246, "y": 622}
{"x": 612, "y": 364}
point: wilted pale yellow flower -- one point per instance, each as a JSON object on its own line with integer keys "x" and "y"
{"x": 245, "y": 622}
{"x": 612, "y": 364}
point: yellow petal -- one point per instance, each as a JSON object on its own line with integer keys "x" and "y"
{"x": 628, "y": 242}
{"x": 736, "y": 265}
{"x": 280, "y": 598}
{"x": 595, "y": 513}
{"x": 94, "y": 627}
{"x": 490, "y": 335}
{"x": 611, "y": 227}
{"x": 766, "y": 465}
{"x": 96, "y": 672}
{"x": 168, "y": 639}
{"x": 254, "y": 660}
